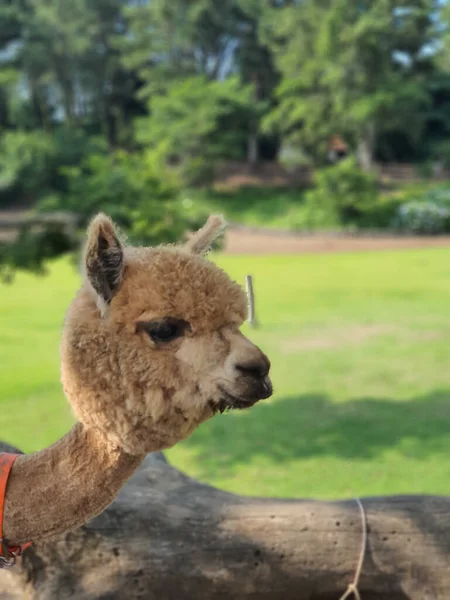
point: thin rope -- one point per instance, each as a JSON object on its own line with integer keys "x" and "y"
{"x": 353, "y": 587}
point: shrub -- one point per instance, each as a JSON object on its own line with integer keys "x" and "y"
{"x": 382, "y": 213}
{"x": 425, "y": 213}
{"x": 438, "y": 195}
{"x": 343, "y": 194}
{"x": 423, "y": 217}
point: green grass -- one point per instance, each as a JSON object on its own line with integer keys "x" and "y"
{"x": 360, "y": 350}
{"x": 280, "y": 208}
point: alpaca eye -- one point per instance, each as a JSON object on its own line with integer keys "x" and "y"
{"x": 165, "y": 331}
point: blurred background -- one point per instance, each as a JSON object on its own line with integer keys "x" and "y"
{"x": 321, "y": 130}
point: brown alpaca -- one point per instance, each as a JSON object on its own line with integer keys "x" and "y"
{"x": 151, "y": 348}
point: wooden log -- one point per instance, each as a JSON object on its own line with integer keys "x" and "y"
{"x": 168, "y": 537}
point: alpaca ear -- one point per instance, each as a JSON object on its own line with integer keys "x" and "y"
{"x": 201, "y": 241}
{"x": 103, "y": 257}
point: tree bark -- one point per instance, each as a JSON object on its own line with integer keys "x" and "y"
{"x": 168, "y": 537}
{"x": 253, "y": 137}
{"x": 252, "y": 149}
{"x": 366, "y": 147}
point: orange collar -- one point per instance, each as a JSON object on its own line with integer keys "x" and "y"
{"x": 8, "y": 553}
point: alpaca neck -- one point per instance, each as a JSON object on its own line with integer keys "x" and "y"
{"x": 64, "y": 486}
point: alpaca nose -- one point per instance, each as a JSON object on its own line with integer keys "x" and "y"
{"x": 249, "y": 367}
{"x": 258, "y": 369}
{"x": 256, "y": 372}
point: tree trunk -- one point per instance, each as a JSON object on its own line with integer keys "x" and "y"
{"x": 168, "y": 537}
{"x": 366, "y": 147}
{"x": 253, "y": 138}
{"x": 64, "y": 79}
{"x": 252, "y": 149}
{"x": 39, "y": 104}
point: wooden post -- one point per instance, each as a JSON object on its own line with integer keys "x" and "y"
{"x": 251, "y": 301}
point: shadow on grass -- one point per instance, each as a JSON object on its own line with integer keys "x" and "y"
{"x": 312, "y": 425}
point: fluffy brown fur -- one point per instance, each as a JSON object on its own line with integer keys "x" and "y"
{"x": 62, "y": 487}
{"x": 133, "y": 390}
{"x": 143, "y": 395}
{"x": 201, "y": 241}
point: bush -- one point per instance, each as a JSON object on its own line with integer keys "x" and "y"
{"x": 342, "y": 195}
{"x": 426, "y": 213}
{"x": 423, "y": 217}
{"x": 438, "y": 195}
{"x": 382, "y": 213}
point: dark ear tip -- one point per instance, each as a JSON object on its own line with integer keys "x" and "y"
{"x": 103, "y": 257}
{"x": 101, "y": 226}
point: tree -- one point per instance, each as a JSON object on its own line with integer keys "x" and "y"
{"x": 211, "y": 39}
{"x": 196, "y": 123}
{"x": 436, "y": 143}
{"x": 353, "y": 68}
{"x": 256, "y": 66}
{"x": 174, "y": 39}
{"x": 70, "y": 66}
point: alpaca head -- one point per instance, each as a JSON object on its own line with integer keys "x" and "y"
{"x": 151, "y": 344}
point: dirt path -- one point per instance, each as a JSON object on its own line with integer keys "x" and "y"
{"x": 245, "y": 240}
{"x": 242, "y": 241}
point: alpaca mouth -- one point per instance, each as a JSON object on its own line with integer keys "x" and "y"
{"x": 228, "y": 401}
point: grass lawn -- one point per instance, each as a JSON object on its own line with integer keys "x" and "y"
{"x": 360, "y": 347}
{"x": 279, "y": 208}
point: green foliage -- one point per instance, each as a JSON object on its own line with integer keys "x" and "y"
{"x": 32, "y": 249}
{"x": 117, "y": 105}
{"x": 342, "y": 194}
{"x": 426, "y": 213}
{"x": 33, "y": 163}
{"x": 350, "y": 68}
{"x": 288, "y": 208}
{"x": 381, "y": 213}
{"x": 24, "y": 163}
{"x": 423, "y": 217}
{"x": 193, "y": 38}
{"x": 196, "y": 123}
{"x": 127, "y": 187}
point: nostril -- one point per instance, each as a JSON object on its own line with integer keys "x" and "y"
{"x": 256, "y": 369}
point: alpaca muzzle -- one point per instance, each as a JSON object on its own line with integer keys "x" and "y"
{"x": 252, "y": 385}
